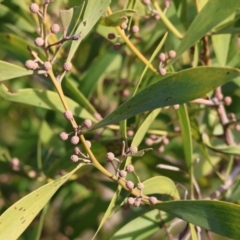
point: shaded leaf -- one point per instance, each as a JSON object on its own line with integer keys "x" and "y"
{"x": 232, "y": 150}
{"x": 218, "y": 10}
{"x": 18, "y": 217}
{"x": 177, "y": 88}
{"x": 142, "y": 227}
{"x": 94, "y": 10}
{"x": 219, "y": 217}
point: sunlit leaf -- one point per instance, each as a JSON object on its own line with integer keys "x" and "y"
{"x": 117, "y": 18}
{"x": 44, "y": 99}
{"x": 18, "y": 217}
{"x": 161, "y": 185}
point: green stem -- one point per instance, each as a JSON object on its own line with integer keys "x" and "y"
{"x": 131, "y": 46}
{"x": 165, "y": 20}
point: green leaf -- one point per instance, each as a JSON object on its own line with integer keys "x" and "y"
{"x": 161, "y": 185}
{"x": 70, "y": 18}
{"x": 142, "y": 227}
{"x": 141, "y": 152}
{"x": 94, "y": 10}
{"x": 117, "y": 18}
{"x": 219, "y": 10}
{"x": 221, "y": 44}
{"x": 66, "y": 17}
{"x": 232, "y": 150}
{"x": 16, "y": 46}
{"x": 16, "y": 19}
{"x": 44, "y": 99}
{"x": 186, "y": 134}
{"x": 216, "y": 216}
{"x": 177, "y": 88}
{"x": 9, "y": 71}
{"x": 99, "y": 68}
{"x": 18, "y": 217}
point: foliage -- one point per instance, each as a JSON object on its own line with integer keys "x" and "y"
{"x": 154, "y": 88}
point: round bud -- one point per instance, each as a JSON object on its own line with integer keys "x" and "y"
{"x": 146, "y": 2}
{"x": 130, "y": 168}
{"x": 130, "y": 133}
{"x": 168, "y": 3}
{"x": 162, "y": 57}
{"x": 67, "y": 66}
{"x": 131, "y": 200}
{"x": 129, "y": 185}
{"x": 140, "y": 186}
{"x": 131, "y": 150}
{"x": 31, "y": 65}
{"x": 165, "y": 141}
{"x": 111, "y": 36}
{"x": 161, "y": 149}
{"x": 75, "y": 140}
{"x": 135, "y": 29}
{"x": 76, "y": 36}
{"x": 74, "y": 158}
{"x": 39, "y": 41}
{"x": 77, "y": 150}
{"x": 172, "y": 54}
{"x": 68, "y": 115}
{"x": 126, "y": 92}
{"x": 137, "y": 202}
{"x": 87, "y": 123}
{"x": 63, "y": 136}
{"x": 162, "y": 71}
{"x": 97, "y": 116}
{"x": 228, "y": 100}
{"x": 15, "y": 164}
{"x": 110, "y": 156}
{"x": 176, "y": 106}
{"x": 88, "y": 143}
{"x": 152, "y": 200}
{"x": 34, "y": 8}
{"x": 47, "y": 66}
{"x": 124, "y": 25}
{"x": 55, "y": 28}
{"x": 156, "y": 16}
{"x": 32, "y": 174}
{"x": 153, "y": 136}
{"x": 237, "y": 127}
{"x": 122, "y": 173}
{"x": 117, "y": 46}
{"x": 149, "y": 142}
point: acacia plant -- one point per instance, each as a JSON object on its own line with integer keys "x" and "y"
{"x": 133, "y": 106}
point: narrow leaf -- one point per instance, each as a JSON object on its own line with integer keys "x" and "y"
{"x": 232, "y": 150}
{"x": 177, "y": 88}
{"x": 44, "y": 99}
{"x": 161, "y": 185}
{"x": 117, "y": 18}
{"x": 216, "y": 216}
{"x": 18, "y": 217}
{"x": 219, "y": 10}
{"x": 9, "y": 71}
